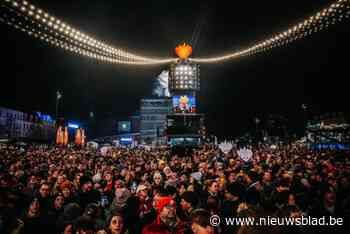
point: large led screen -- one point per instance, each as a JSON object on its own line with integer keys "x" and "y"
{"x": 184, "y": 104}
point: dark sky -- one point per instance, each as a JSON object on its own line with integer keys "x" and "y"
{"x": 313, "y": 70}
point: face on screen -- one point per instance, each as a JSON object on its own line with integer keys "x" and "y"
{"x": 184, "y": 103}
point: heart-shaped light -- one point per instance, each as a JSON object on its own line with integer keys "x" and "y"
{"x": 183, "y": 51}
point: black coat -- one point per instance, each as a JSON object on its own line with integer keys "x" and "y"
{"x": 92, "y": 196}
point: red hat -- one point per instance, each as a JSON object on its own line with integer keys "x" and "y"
{"x": 163, "y": 201}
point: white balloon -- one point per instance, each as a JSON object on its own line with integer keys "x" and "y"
{"x": 245, "y": 154}
{"x": 225, "y": 147}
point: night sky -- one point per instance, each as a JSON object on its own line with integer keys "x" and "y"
{"x": 313, "y": 70}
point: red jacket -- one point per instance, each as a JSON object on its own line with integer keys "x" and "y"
{"x": 158, "y": 227}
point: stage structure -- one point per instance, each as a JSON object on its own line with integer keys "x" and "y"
{"x": 184, "y": 124}
{"x": 328, "y": 133}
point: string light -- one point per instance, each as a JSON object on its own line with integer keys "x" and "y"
{"x": 61, "y": 35}
{"x": 73, "y": 39}
{"x": 63, "y": 28}
{"x": 66, "y": 46}
{"x": 321, "y": 20}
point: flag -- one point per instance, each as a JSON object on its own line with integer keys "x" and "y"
{"x": 58, "y": 95}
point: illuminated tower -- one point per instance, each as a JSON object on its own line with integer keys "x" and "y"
{"x": 184, "y": 81}
{"x": 184, "y": 124}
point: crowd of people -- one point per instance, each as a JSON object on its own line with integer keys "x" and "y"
{"x": 138, "y": 191}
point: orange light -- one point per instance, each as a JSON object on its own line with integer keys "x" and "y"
{"x": 183, "y": 51}
{"x": 83, "y": 137}
{"x": 60, "y": 136}
{"x": 78, "y": 137}
{"x": 66, "y": 136}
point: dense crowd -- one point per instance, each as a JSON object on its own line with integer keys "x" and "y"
{"x": 134, "y": 191}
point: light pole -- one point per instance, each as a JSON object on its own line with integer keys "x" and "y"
{"x": 305, "y": 117}
{"x": 256, "y": 121}
{"x": 58, "y": 97}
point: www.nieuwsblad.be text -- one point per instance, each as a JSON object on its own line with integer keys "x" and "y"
{"x": 277, "y": 221}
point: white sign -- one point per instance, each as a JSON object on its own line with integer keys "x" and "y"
{"x": 145, "y": 147}
{"x": 116, "y": 143}
{"x": 245, "y": 154}
{"x": 105, "y": 149}
{"x": 92, "y": 144}
{"x": 225, "y": 147}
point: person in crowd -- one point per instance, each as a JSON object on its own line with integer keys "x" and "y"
{"x": 213, "y": 188}
{"x": 145, "y": 201}
{"x": 188, "y": 203}
{"x": 84, "y": 225}
{"x": 67, "y": 192}
{"x": 108, "y": 188}
{"x": 44, "y": 197}
{"x": 35, "y": 220}
{"x": 166, "y": 221}
{"x": 195, "y": 184}
{"x": 32, "y": 186}
{"x": 170, "y": 191}
{"x": 120, "y": 200}
{"x": 69, "y": 228}
{"x": 93, "y": 212}
{"x": 57, "y": 207}
{"x": 157, "y": 180}
{"x": 76, "y": 181}
{"x": 234, "y": 195}
{"x": 132, "y": 216}
{"x": 87, "y": 193}
{"x": 282, "y": 191}
{"x": 211, "y": 198}
{"x": 201, "y": 222}
{"x": 57, "y": 186}
{"x": 115, "y": 224}
{"x": 65, "y": 222}
{"x": 51, "y": 187}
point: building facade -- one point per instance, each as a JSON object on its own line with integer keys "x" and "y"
{"x": 328, "y": 132}
{"x": 32, "y": 126}
{"x": 153, "y": 117}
